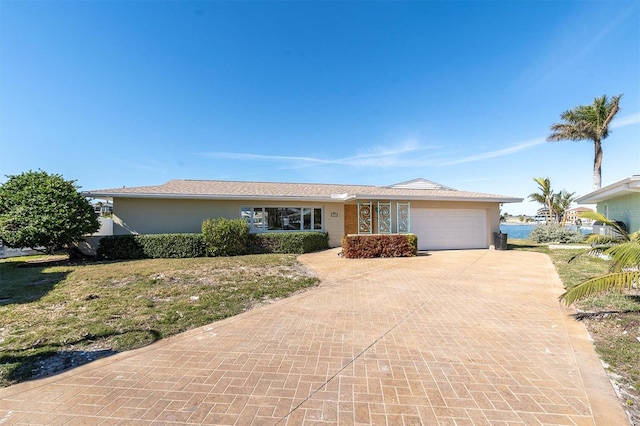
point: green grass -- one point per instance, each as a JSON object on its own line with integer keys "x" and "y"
{"x": 613, "y": 320}
{"x": 58, "y": 311}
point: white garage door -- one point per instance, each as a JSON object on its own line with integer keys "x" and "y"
{"x": 442, "y": 229}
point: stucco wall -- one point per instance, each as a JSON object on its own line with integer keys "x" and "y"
{"x": 492, "y": 212}
{"x": 155, "y": 216}
{"x": 625, "y": 209}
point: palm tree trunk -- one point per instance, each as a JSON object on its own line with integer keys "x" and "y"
{"x": 597, "y": 164}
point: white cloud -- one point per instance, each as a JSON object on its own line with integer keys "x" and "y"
{"x": 408, "y": 154}
{"x": 628, "y": 120}
{"x": 497, "y": 153}
{"x": 377, "y": 156}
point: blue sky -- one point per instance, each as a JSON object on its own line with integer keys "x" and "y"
{"x": 131, "y": 93}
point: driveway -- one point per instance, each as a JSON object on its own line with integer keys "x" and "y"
{"x": 472, "y": 337}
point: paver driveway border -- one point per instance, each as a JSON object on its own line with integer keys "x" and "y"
{"x": 473, "y": 337}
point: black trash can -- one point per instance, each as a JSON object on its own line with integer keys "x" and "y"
{"x": 500, "y": 240}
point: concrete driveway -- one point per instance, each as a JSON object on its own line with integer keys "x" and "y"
{"x": 473, "y": 337}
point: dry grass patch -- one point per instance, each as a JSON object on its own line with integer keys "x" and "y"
{"x": 58, "y": 315}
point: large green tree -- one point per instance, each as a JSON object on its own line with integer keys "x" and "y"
{"x": 588, "y": 123}
{"x": 44, "y": 212}
{"x": 544, "y": 196}
{"x": 623, "y": 249}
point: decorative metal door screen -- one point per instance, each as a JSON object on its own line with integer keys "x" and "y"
{"x": 364, "y": 218}
{"x": 385, "y": 219}
{"x": 404, "y": 217}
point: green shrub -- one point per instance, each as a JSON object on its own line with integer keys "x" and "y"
{"x": 555, "y": 234}
{"x": 151, "y": 246}
{"x": 120, "y": 247}
{"x": 368, "y": 246}
{"x": 288, "y": 242}
{"x": 225, "y": 237}
{"x": 172, "y": 246}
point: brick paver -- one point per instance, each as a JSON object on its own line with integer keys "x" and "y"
{"x": 473, "y": 337}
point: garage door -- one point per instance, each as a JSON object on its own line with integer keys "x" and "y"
{"x": 443, "y": 229}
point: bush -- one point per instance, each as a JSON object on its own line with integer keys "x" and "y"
{"x": 225, "y": 237}
{"x": 555, "y": 234}
{"x": 157, "y": 246}
{"x": 288, "y": 242}
{"x": 172, "y": 246}
{"x": 116, "y": 247}
{"x": 368, "y": 246}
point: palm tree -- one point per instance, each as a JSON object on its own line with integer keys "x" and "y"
{"x": 545, "y": 196}
{"x": 561, "y": 203}
{"x": 588, "y": 122}
{"x": 624, "y": 250}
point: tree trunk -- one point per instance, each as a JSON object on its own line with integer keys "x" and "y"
{"x": 597, "y": 164}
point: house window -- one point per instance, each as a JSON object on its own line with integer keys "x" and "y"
{"x": 273, "y": 219}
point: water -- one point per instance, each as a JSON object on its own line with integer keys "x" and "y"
{"x": 518, "y": 231}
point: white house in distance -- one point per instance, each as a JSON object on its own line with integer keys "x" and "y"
{"x": 440, "y": 216}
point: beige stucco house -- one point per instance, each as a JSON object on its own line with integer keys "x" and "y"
{"x": 441, "y": 217}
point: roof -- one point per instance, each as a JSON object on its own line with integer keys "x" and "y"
{"x": 417, "y": 189}
{"x": 630, "y": 185}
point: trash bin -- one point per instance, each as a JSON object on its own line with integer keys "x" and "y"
{"x": 500, "y": 240}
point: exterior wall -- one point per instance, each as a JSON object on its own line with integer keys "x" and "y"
{"x": 625, "y": 209}
{"x": 492, "y": 211}
{"x": 157, "y": 216}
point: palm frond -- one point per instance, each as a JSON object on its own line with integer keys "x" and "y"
{"x": 586, "y": 122}
{"x": 612, "y": 282}
{"x": 602, "y": 240}
{"x": 625, "y": 255}
{"x": 622, "y": 233}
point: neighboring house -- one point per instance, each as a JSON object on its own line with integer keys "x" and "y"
{"x": 441, "y": 217}
{"x": 574, "y": 214}
{"x": 619, "y": 201}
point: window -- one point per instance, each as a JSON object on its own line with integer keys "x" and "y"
{"x": 265, "y": 219}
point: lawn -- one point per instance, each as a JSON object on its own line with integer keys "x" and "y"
{"x": 613, "y": 320}
{"x": 57, "y": 315}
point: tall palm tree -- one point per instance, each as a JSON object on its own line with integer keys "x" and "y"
{"x": 588, "y": 122}
{"x": 561, "y": 203}
{"x": 545, "y": 196}
{"x": 624, "y": 250}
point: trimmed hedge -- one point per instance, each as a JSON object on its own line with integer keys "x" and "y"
{"x": 225, "y": 237}
{"x": 379, "y": 245}
{"x": 288, "y": 242}
{"x": 120, "y": 247}
{"x": 155, "y": 246}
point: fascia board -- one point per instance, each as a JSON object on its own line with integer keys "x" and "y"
{"x": 436, "y": 198}
{"x": 618, "y": 189}
{"x": 207, "y": 197}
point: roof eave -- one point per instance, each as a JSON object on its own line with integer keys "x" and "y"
{"x": 438, "y": 198}
{"x": 208, "y": 197}
{"x": 333, "y": 198}
{"x": 618, "y": 189}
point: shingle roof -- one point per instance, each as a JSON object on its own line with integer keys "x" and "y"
{"x": 218, "y": 189}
